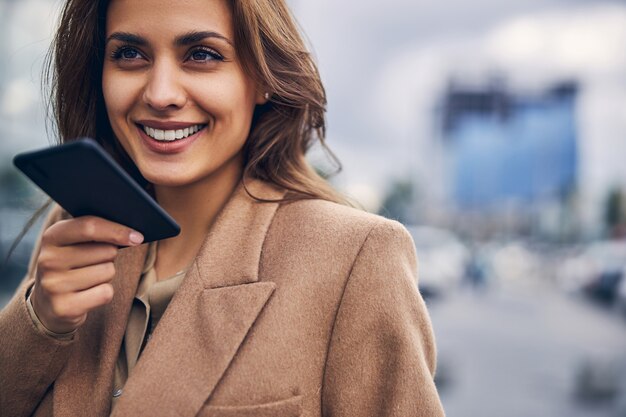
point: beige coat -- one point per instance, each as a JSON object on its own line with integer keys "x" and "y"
{"x": 306, "y": 308}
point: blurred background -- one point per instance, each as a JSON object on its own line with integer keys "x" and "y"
{"x": 495, "y": 131}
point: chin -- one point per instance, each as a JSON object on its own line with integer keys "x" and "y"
{"x": 167, "y": 179}
{"x": 184, "y": 174}
{"x": 162, "y": 181}
{"x": 169, "y": 182}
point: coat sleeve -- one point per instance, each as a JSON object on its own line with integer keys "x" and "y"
{"x": 30, "y": 360}
{"x": 381, "y": 358}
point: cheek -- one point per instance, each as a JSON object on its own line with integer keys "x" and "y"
{"x": 117, "y": 100}
{"x": 232, "y": 104}
{"x": 108, "y": 90}
{"x": 118, "y": 95}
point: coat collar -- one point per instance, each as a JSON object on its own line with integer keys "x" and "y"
{"x": 200, "y": 332}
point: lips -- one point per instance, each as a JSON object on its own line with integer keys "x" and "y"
{"x": 168, "y": 135}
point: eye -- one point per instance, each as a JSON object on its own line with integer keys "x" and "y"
{"x": 126, "y": 53}
{"x": 204, "y": 54}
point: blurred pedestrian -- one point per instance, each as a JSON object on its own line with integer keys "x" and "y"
{"x": 277, "y": 299}
{"x": 475, "y": 271}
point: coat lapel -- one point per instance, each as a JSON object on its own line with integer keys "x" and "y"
{"x": 87, "y": 378}
{"x": 209, "y": 316}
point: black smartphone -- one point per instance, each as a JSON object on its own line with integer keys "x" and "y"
{"x": 83, "y": 179}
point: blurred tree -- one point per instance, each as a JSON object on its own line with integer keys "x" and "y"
{"x": 615, "y": 213}
{"x": 399, "y": 202}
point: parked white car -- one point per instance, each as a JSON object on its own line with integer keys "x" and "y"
{"x": 598, "y": 270}
{"x": 442, "y": 259}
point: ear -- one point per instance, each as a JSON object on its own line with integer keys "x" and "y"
{"x": 262, "y": 95}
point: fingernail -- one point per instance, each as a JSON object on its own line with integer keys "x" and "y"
{"x": 136, "y": 237}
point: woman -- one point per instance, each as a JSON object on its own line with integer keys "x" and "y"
{"x": 274, "y": 300}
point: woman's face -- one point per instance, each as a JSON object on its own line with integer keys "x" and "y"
{"x": 175, "y": 92}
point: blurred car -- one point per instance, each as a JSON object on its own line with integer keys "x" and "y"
{"x": 442, "y": 259}
{"x": 605, "y": 286}
{"x": 597, "y": 271}
{"x": 575, "y": 270}
{"x": 512, "y": 262}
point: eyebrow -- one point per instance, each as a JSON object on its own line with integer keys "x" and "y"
{"x": 194, "y": 36}
{"x": 127, "y": 38}
{"x": 183, "y": 40}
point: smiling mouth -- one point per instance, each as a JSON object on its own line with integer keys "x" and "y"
{"x": 171, "y": 135}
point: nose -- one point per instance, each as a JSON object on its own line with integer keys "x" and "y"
{"x": 163, "y": 90}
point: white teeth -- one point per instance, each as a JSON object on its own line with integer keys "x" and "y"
{"x": 170, "y": 135}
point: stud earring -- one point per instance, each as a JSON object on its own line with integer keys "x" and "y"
{"x": 266, "y": 95}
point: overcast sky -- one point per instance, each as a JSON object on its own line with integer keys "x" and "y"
{"x": 384, "y": 65}
{"x": 385, "y": 68}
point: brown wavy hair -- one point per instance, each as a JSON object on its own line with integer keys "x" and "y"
{"x": 272, "y": 53}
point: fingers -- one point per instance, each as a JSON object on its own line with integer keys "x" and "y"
{"x": 70, "y": 310}
{"x": 64, "y": 313}
{"x": 54, "y": 258}
{"x": 74, "y": 269}
{"x": 75, "y": 280}
{"x": 90, "y": 229}
{"x": 62, "y": 298}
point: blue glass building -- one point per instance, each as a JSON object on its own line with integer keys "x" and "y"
{"x": 507, "y": 148}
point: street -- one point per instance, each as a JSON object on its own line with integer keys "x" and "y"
{"x": 526, "y": 351}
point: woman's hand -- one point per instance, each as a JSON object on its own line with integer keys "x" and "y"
{"x": 75, "y": 268}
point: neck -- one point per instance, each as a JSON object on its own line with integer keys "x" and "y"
{"x": 194, "y": 207}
